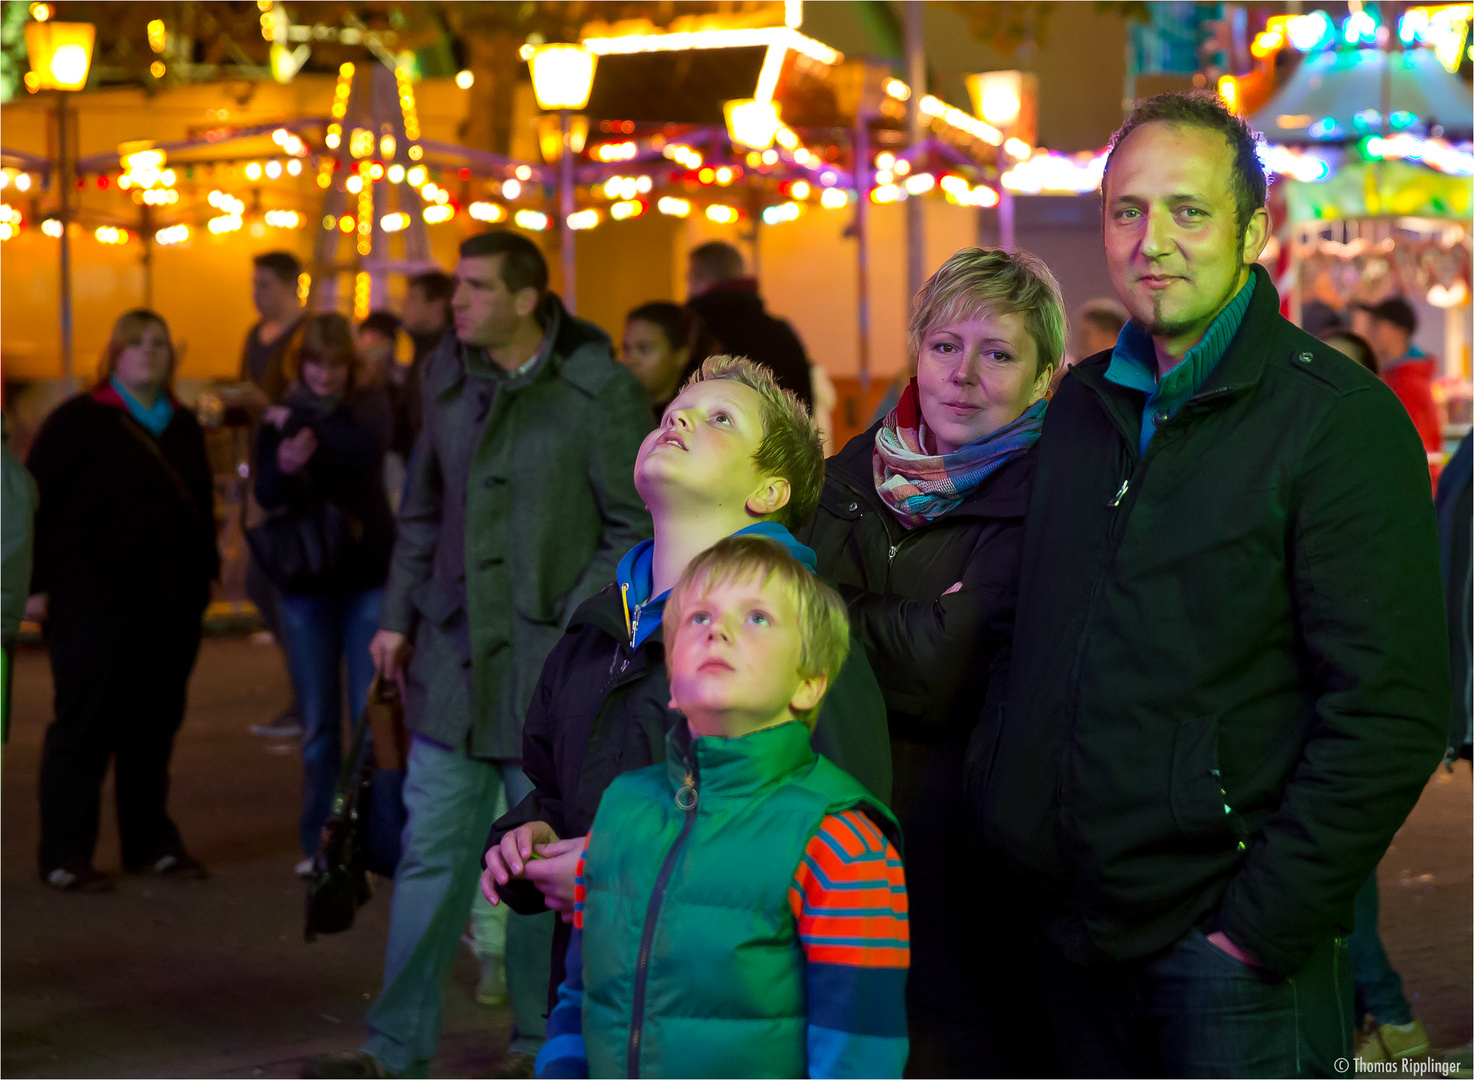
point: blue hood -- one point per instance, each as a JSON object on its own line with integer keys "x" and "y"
{"x": 636, "y": 578}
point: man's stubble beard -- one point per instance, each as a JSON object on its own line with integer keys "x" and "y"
{"x": 1160, "y": 328}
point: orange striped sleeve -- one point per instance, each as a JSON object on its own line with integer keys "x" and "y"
{"x": 849, "y": 896}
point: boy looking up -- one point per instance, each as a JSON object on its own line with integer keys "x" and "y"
{"x": 733, "y": 454}
{"x": 740, "y": 910}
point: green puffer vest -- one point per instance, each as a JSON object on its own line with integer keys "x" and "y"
{"x": 692, "y": 961}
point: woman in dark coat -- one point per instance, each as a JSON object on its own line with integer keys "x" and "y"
{"x": 919, "y": 527}
{"x": 325, "y": 443}
{"x": 125, "y": 550}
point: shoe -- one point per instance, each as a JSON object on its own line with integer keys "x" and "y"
{"x": 1403, "y": 1040}
{"x": 84, "y": 878}
{"x": 346, "y": 1063}
{"x": 180, "y": 866}
{"x": 284, "y": 725}
{"x": 492, "y": 987}
{"x": 515, "y": 1065}
{"x": 307, "y": 868}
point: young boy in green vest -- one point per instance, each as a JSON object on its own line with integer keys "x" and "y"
{"x": 740, "y": 910}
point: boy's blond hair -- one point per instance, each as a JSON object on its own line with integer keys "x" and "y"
{"x": 823, "y": 622}
{"x": 791, "y": 446}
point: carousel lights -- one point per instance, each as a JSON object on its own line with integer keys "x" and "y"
{"x": 346, "y": 223}
{"x": 465, "y": 79}
{"x": 752, "y": 122}
{"x": 52, "y": 228}
{"x": 1437, "y": 154}
{"x": 10, "y": 221}
{"x": 407, "y": 109}
{"x": 685, "y": 155}
{"x": 375, "y": 171}
{"x": 294, "y": 167}
{"x": 395, "y": 173}
{"x": 1049, "y": 171}
{"x": 395, "y": 222}
{"x": 672, "y": 206}
{"x": 531, "y": 220}
{"x": 832, "y": 198}
{"x": 722, "y": 215}
{"x": 1297, "y": 165}
{"x": 273, "y": 170}
{"x": 107, "y": 234}
{"x": 487, "y": 211}
{"x": 334, "y": 137}
{"x": 253, "y": 171}
{"x": 769, "y": 157}
{"x": 157, "y": 197}
{"x": 283, "y": 219}
{"x": 511, "y": 189}
{"x": 158, "y": 36}
{"x": 22, "y": 181}
{"x": 363, "y": 284}
{"x": 524, "y": 172}
{"x": 623, "y": 211}
{"x": 172, "y": 234}
{"x": 961, "y": 192}
{"x": 885, "y": 193}
{"x": 775, "y": 36}
{"x": 971, "y": 125}
{"x": 226, "y": 204}
{"x": 416, "y": 175}
{"x": 361, "y": 143}
{"x": 583, "y": 219}
{"x": 440, "y": 212}
{"x": 1310, "y": 32}
{"x": 897, "y": 89}
{"x": 387, "y": 147}
{"x": 1360, "y": 28}
{"x": 620, "y": 151}
{"x": 304, "y": 286}
{"x": 776, "y": 215}
{"x": 800, "y": 189}
{"x": 920, "y": 184}
{"x": 354, "y": 184}
{"x": 225, "y": 223}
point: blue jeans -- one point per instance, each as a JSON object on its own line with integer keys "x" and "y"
{"x": 325, "y": 634}
{"x": 1193, "y": 1010}
{"x": 451, "y": 799}
{"x": 1378, "y": 986}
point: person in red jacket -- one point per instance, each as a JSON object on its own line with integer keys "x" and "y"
{"x": 1405, "y": 367}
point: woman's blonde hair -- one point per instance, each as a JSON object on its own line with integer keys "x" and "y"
{"x": 127, "y": 331}
{"x": 823, "y": 621}
{"x": 977, "y": 281}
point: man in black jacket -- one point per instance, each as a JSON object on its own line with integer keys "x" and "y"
{"x": 719, "y": 290}
{"x": 1228, "y": 681}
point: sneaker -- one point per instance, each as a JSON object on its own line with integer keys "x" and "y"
{"x": 1403, "y": 1040}
{"x": 82, "y": 879}
{"x": 284, "y": 725}
{"x": 491, "y": 989}
{"x": 181, "y": 865}
{"x": 307, "y": 868}
{"x": 347, "y": 1063}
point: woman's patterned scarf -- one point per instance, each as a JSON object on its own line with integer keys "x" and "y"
{"x": 919, "y": 486}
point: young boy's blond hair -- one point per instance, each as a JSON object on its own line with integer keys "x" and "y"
{"x": 791, "y": 448}
{"x": 824, "y": 623}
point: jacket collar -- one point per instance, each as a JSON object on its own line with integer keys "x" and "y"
{"x": 1005, "y": 494}
{"x": 736, "y": 768}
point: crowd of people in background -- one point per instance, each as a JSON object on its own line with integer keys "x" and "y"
{"x": 1134, "y": 654}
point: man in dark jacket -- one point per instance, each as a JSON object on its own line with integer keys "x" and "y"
{"x": 719, "y": 290}
{"x": 519, "y": 505}
{"x": 734, "y": 455}
{"x": 1228, "y": 681}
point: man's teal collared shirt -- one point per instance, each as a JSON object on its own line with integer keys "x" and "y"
{"x": 1134, "y": 364}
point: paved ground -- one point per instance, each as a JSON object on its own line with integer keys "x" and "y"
{"x": 213, "y": 978}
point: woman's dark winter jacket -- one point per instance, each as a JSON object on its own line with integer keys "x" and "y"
{"x": 347, "y": 469}
{"x": 1229, "y": 675}
{"x": 931, "y": 655}
{"x": 126, "y": 522}
{"x": 602, "y": 709}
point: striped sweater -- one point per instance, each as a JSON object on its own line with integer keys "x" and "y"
{"x": 848, "y": 897}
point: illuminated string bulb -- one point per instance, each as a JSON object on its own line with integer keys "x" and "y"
{"x": 620, "y": 151}
{"x": 10, "y": 221}
{"x": 416, "y": 175}
{"x": 487, "y": 211}
{"x": 531, "y": 220}
{"x": 283, "y": 219}
{"x": 386, "y": 147}
{"x": 226, "y": 204}
{"x": 304, "y": 286}
{"x": 395, "y": 173}
{"x": 158, "y": 36}
{"x": 172, "y": 234}
{"x": 361, "y": 143}
{"x": 294, "y": 167}
{"x": 685, "y": 155}
{"x": 354, "y": 184}
{"x": 407, "y": 106}
{"x": 437, "y": 213}
{"x": 669, "y": 204}
{"x": 334, "y": 137}
{"x": 722, "y": 215}
{"x": 583, "y": 219}
{"x": 52, "y": 228}
{"x": 800, "y": 189}
{"x": 366, "y": 221}
{"x": 395, "y": 222}
{"x": 158, "y": 197}
{"x": 225, "y": 223}
{"x": 362, "y": 284}
{"x": 376, "y": 171}
{"x": 524, "y": 172}
{"x": 622, "y": 211}
{"x": 346, "y": 223}
{"x": 253, "y": 171}
{"x": 832, "y": 198}
{"x": 511, "y": 189}
{"x": 773, "y": 215}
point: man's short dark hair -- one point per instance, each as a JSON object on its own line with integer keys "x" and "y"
{"x": 434, "y": 286}
{"x": 383, "y": 323}
{"x": 1397, "y": 312}
{"x": 717, "y": 261}
{"x": 1204, "y": 109}
{"x": 285, "y": 266}
{"x": 524, "y": 266}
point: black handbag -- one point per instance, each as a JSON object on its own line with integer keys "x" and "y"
{"x": 362, "y": 833}
{"x": 303, "y": 547}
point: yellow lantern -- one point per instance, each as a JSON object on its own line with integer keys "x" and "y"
{"x": 562, "y": 76}
{"x": 752, "y": 123}
{"x": 61, "y": 53}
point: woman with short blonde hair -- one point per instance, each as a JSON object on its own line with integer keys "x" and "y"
{"x": 919, "y": 527}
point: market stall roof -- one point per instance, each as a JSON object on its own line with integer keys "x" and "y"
{"x": 1335, "y": 95}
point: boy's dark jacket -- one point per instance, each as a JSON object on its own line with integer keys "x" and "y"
{"x": 1229, "y": 677}
{"x": 601, "y": 709}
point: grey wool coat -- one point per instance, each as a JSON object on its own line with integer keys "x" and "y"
{"x": 519, "y": 504}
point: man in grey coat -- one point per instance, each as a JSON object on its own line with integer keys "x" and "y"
{"x": 519, "y": 504}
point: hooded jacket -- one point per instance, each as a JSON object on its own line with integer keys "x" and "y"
{"x": 601, "y": 709}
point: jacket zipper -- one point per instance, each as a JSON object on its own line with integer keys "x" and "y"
{"x": 687, "y": 797}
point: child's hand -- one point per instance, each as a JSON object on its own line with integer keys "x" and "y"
{"x": 554, "y": 872}
{"x": 509, "y": 858}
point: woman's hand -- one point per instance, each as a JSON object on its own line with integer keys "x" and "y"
{"x": 509, "y": 858}
{"x": 554, "y": 874}
{"x": 294, "y": 453}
